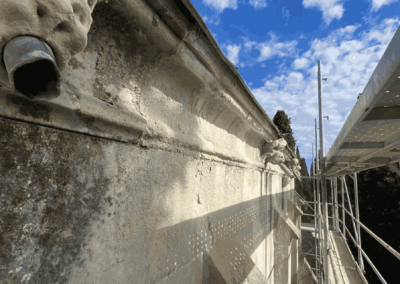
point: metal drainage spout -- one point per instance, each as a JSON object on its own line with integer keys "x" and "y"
{"x": 32, "y": 68}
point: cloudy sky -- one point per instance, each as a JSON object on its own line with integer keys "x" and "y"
{"x": 276, "y": 45}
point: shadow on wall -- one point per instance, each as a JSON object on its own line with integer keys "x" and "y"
{"x": 85, "y": 209}
{"x": 63, "y": 211}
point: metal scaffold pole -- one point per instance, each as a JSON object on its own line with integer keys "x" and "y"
{"x": 323, "y": 179}
{"x": 315, "y": 217}
{"x": 318, "y": 204}
{"x": 360, "y": 260}
{"x": 343, "y": 213}
{"x": 332, "y": 204}
{"x": 336, "y": 205}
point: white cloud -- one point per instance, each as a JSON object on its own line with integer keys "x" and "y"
{"x": 258, "y": 4}
{"x": 248, "y": 44}
{"x": 273, "y": 47}
{"x": 294, "y": 81}
{"x": 300, "y": 63}
{"x": 347, "y": 60}
{"x": 285, "y": 13}
{"x": 331, "y": 9}
{"x": 221, "y": 5}
{"x": 213, "y": 19}
{"x": 376, "y": 4}
{"x": 233, "y": 53}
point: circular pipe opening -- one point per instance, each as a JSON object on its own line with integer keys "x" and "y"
{"x": 37, "y": 77}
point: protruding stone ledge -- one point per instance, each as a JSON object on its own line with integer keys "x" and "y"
{"x": 83, "y": 115}
{"x": 286, "y": 238}
{"x": 271, "y": 152}
{"x": 298, "y": 201}
{"x": 286, "y": 230}
{"x": 294, "y": 212}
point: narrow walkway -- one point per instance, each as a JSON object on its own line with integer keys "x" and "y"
{"x": 342, "y": 266}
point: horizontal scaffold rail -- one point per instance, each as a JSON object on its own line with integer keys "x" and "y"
{"x": 388, "y": 247}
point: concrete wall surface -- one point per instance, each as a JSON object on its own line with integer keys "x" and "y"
{"x": 146, "y": 169}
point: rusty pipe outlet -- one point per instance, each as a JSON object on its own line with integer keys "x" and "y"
{"x": 31, "y": 67}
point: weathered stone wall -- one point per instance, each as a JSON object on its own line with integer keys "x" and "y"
{"x": 143, "y": 170}
{"x": 82, "y": 209}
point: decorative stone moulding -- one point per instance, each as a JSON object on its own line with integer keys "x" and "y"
{"x": 294, "y": 211}
{"x": 293, "y": 165}
{"x": 37, "y": 40}
{"x": 286, "y": 229}
{"x": 272, "y": 152}
{"x": 286, "y": 234}
{"x": 298, "y": 201}
{"x": 285, "y": 180}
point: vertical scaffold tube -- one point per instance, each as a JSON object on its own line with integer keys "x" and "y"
{"x": 315, "y": 216}
{"x": 343, "y": 212}
{"x": 332, "y": 204}
{"x": 336, "y": 206}
{"x": 360, "y": 260}
{"x": 318, "y": 205}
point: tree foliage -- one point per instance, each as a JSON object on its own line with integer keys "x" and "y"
{"x": 304, "y": 189}
{"x": 379, "y": 205}
{"x": 282, "y": 121}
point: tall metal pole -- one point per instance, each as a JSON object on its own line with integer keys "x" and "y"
{"x": 360, "y": 260}
{"x": 343, "y": 212}
{"x": 319, "y": 204}
{"x": 336, "y": 206}
{"x": 323, "y": 179}
{"x": 316, "y": 216}
{"x": 333, "y": 212}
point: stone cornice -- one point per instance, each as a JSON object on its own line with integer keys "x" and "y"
{"x": 178, "y": 29}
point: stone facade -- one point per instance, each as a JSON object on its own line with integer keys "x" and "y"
{"x": 149, "y": 167}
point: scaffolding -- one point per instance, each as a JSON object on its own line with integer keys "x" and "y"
{"x": 323, "y": 248}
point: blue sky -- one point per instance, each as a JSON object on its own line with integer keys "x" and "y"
{"x": 276, "y": 45}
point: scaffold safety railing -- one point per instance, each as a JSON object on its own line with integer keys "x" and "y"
{"x": 320, "y": 176}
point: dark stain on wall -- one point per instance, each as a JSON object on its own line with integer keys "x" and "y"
{"x": 27, "y": 107}
{"x": 51, "y": 188}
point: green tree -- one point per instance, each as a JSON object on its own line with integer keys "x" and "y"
{"x": 305, "y": 188}
{"x": 282, "y": 121}
{"x": 379, "y": 205}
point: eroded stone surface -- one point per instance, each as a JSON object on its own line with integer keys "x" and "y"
{"x": 63, "y": 24}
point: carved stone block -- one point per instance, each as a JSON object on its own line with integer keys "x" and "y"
{"x": 271, "y": 151}
{"x": 274, "y": 157}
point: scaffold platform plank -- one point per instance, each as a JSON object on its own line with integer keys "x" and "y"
{"x": 342, "y": 266}
{"x": 370, "y": 137}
